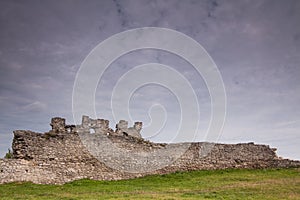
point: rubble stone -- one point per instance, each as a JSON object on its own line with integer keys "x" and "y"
{"x": 61, "y": 157}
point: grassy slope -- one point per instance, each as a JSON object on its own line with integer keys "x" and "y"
{"x": 219, "y": 184}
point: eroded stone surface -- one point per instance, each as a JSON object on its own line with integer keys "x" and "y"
{"x": 122, "y": 128}
{"x": 59, "y": 156}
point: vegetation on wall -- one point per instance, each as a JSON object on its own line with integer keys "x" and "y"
{"x": 9, "y": 154}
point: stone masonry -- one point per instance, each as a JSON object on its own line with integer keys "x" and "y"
{"x": 60, "y": 156}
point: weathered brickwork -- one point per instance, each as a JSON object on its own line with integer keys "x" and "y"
{"x": 59, "y": 156}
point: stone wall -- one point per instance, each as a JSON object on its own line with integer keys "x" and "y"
{"x": 60, "y": 155}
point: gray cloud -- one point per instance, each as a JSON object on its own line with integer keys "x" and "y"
{"x": 255, "y": 44}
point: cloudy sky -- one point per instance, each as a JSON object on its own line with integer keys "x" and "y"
{"x": 255, "y": 45}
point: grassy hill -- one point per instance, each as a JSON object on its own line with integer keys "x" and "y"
{"x": 219, "y": 184}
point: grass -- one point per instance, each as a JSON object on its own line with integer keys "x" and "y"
{"x": 218, "y": 184}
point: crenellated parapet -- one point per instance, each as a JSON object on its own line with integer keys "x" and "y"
{"x": 95, "y": 126}
{"x": 135, "y": 131}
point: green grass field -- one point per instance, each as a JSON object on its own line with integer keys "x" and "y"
{"x": 219, "y": 184}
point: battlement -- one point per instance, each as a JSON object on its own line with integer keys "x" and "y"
{"x": 95, "y": 126}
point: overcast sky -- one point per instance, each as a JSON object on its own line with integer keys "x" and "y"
{"x": 254, "y": 43}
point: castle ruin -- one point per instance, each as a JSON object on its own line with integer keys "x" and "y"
{"x": 62, "y": 154}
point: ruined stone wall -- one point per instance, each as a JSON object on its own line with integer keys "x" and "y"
{"x": 62, "y": 157}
